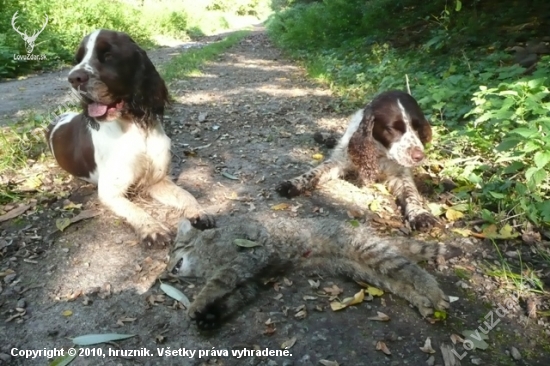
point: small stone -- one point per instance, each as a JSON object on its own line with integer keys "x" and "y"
{"x": 476, "y": 361}
{"x": 52, "y": 333}
{"x": 391, "y": 336}
{"x": 430, "y": 361}
{"x": 288, "y": 363}
{"x": 118, "y": 241}
{"x": 21, "y": 304}
{"x": 271, "y": 363}
{"x": 9, "y": 278}
{"x": 5, "y": 357}
{"x": 515, "y": 353}
{"x": 202, "y": 116}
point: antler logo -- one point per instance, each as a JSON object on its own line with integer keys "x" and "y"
{"x": 29, "y": 40}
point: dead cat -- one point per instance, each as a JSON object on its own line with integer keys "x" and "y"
{"x": 233, "y": 272}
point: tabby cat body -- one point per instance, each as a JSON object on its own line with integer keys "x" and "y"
{"x": 233, "y": 272}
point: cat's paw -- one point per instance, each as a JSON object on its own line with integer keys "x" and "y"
{"x": 429, "y": 301}
{"x": 423, "y": 221}
{"x": 287, "y": 189}
{"x": 208, "y": 317}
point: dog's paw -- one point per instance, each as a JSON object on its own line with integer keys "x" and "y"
{"x": 287, "y": 189}
{"x": 155, "y": 234}
{"x": 423, "y": 221}
{"x": 207, "y": 317}
{"x": 203, "y": 221}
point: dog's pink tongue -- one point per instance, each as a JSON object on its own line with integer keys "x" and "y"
{"x": 97, "y": 109}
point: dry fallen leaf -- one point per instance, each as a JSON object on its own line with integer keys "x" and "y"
{"x": 73, "y": 296}
{"x": 62, "y": 223}
{"x": 453, "y": 215}
{"x": 270, "y": 329}
{"x": 280, "y": 207}
{"x": 455, "y": 338}
{"x": 337, "y": 305}
{"x": 333, "y": 291}
{"x": 289, "y": 343}
{"x": 14, "y": 213}
{"x": 67, "y": 313}
{"x": 91, "y": 339}
{"x": 380, "y": 317}
{"x": 328, "y": 363}
{"x": 373, "y": 291}
{"x": 381, "y": 346}
{"x": 154, "y": 299}
{"x": 245, "y": 243}
{"x": 348, "y": 301}
{"x": 159, "y": 339}
{"x": 317, "y": 156}
{"x": 427, "y": 348}
{"x": 356, "y": 299}
{"x": 123, "y": 320}
{"x": 381, "y": 188}
{"x": 71, "y": 206}
{"x": 314, "y": 284}
{"x": 229, "y": 176}
{"x": 175, "y": 294}
{"x": 301, "y": 314}
{"x": 463, "y": 232}
{"x": 374, "y": 206}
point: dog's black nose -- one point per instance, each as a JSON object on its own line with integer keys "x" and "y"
{"x": 78, "y": 78}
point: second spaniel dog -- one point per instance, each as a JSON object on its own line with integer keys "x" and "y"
{"x": 117, "y": 141}
{"x": 382, "y": 142}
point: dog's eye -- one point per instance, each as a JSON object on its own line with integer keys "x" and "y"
{"x": 177, "y": 267}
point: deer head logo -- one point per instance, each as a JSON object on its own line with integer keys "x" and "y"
{"x": 29, "y": 40}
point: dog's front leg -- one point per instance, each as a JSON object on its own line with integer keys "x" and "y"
{"x": 111, "y": 193}
{"x": 169, "y": 194}
{"x": 402, "y": 186}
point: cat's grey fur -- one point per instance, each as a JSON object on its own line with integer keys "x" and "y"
{"x": 331, "y": 246}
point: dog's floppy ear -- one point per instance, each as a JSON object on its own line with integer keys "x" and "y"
{"x": 424, "y": 130}
{"x": 362, "y": 148}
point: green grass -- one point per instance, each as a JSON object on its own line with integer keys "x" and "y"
{"x": 188, "y": 63}
{"x": 149, "y": 22}
{"x": 21, "y": 145}
{"x": 523, "y": 280}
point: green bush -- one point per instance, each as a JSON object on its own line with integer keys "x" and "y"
{"x": 70, "y": 21}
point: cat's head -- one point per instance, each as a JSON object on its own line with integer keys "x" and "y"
{"x": 180, "y": 262}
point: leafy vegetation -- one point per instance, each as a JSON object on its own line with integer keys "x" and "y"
{"x": 144, "y": 20}
{"x": 491, "y": 115}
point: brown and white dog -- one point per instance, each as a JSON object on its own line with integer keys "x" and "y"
{"x": 383, "y": 141}
{"x": 117, "y": 142}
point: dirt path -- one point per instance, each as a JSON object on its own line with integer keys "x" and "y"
{"x": 261, "y": 115}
